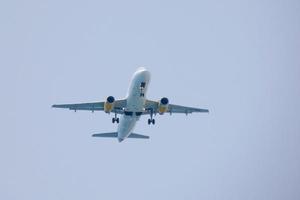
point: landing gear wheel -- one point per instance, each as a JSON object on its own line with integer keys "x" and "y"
{"x": 151, "y": 121}
{"x": 115, "y": 120}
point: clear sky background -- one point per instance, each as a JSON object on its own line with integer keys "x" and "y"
{"x": 240, "y": 59}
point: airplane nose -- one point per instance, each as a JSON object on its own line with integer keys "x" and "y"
{"x": 120, "y": 139}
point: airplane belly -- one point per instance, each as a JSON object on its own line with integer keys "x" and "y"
{"x": 137, "y": 91}
{"x": 127, "y": 124}
{"x": 135, "y": 102}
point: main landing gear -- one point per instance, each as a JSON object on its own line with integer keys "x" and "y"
{"x": 115, "y": 119}
{"x": 151, "y": 120}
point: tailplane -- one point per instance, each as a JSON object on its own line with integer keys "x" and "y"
{"x": 110, "y": 135}
{"x": 134, "y": 135}
{"x": 115, "y": 135}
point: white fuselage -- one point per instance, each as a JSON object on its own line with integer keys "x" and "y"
{"x": 136, "y": 98}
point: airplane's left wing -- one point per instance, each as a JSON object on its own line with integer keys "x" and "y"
{"x": 185, "y": 109}
{"x": 95, "y": 106}
{"x": 154, "y": 106}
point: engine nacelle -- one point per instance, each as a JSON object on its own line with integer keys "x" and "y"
{"x": 109, "y": 104}
{"x": 163, "y": 105}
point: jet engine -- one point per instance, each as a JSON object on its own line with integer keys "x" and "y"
{"x": 109, "y": 104}
{"x": 163, "y": 105}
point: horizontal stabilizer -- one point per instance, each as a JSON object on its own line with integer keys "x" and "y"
{"x": 115, "y": 135}
{"x": 111, "y": 135}
{"x": 134, "y": 135}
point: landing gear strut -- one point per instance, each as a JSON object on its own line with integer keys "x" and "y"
{"x": 115, "y": 119}
{"x": 151, "y": 120}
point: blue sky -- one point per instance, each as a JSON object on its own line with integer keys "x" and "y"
{"x": 240, "y": 59}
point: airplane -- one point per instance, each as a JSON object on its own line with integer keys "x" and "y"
{"x": 132, "y": 107}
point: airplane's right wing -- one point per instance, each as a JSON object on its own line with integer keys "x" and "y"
{"x": 95, "y": 106}
{"x": 82, "y": 106}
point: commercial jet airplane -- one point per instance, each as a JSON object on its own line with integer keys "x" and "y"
{"x": 132, "y": 107}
